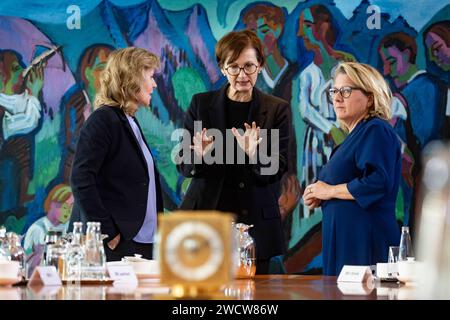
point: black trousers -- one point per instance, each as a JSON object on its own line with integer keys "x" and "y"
{"x": 129, "y": 248}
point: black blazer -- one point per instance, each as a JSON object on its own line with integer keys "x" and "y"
{"x": 110, "y": 175}
{"x": 261, "y": 192}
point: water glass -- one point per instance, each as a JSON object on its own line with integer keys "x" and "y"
{"x": 56, "y": 256}
{"x": 392, "y": 261}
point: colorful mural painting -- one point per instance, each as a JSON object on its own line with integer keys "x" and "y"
{"x": 52, "y": 52}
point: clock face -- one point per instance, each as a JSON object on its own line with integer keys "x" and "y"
{"x": 194, "y": 250}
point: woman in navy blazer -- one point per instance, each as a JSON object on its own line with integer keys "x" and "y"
{"x": 358, "y": 187}
{"x": 246, "y": 190}
{"x": 114, "y": 179}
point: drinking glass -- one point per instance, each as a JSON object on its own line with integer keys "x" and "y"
{"x": 392, "y": 261}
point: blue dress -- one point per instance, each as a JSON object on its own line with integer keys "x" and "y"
{"x": 360, "y": 231}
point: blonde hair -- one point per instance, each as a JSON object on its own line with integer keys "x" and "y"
{"x": 372, "y": 82}
{"x": 59, "y": 193}
{"x": 120, "y": 81}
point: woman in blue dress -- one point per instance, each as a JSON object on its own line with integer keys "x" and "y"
{"x": 357, "y": 188}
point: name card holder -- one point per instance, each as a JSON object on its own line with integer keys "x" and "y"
{"x": 355, "y": 274}
{"x": 122, "y": 273}
{"x": 47, "y": 276}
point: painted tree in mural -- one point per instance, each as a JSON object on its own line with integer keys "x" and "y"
{"x": 49, "y": 75}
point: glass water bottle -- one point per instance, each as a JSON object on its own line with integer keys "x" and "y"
{"x": 406, "y": 250}
{"x": 94, "y": 253}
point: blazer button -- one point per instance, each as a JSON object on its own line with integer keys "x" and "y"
{"x": 241, "y": 185}
{"x": 244, "y": 212}
{"x": 144, "y": 184}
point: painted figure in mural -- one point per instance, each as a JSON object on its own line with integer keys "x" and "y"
{"x": 58, "y": 207}
{"x": 267, "y": 21}
{"x": 77, "y": 102}
{"x": 437, "y": 43}
{"x": 114, "y": 178}
{"x": 425, "y": 113}
{"x": 357, "y": 188}
{"x": 398, "y": 52}
{"x": 92, "y": 63}
{"x": 18, "y": 95}
{"x": 322, "y": 132}
{"x": 242, "y": 189}
{"x": 20, "y": 111}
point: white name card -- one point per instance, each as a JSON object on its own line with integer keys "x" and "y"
{"x": 122, "y": 273}
{"x": 47, "y": 276}
{"x": 355, "y": 274}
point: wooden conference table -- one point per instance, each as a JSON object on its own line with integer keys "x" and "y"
{"x": 262, "y": 287}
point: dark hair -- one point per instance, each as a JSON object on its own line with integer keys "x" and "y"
{"x": 7, "y": 56}
{"x": 321, "y": 15}
{"x": 270, "y": 12}
{"x": 89, "y": 56}
{"x": 401, "y": 41}
{"x": 231, "y": 45}
{"x": 440, "y": 28}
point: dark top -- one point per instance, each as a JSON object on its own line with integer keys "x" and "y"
{"x": 360, "y": 231}
{"x": 257, "y": 192}
{"x": 110, "y": 178}
{"x": 236, "y": 114}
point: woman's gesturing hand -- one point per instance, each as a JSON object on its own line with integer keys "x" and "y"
{"x": 249, "y": 140}
{"x": 202, "y": 143}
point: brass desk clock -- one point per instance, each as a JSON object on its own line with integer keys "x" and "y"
{"x": 195, "y": 251}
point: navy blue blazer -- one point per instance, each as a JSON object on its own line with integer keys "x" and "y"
{"x": 109, "y": 176}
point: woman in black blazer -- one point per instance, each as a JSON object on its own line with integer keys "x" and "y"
{"x": 114, "y": 179}
{"x": 249, "y": 190}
